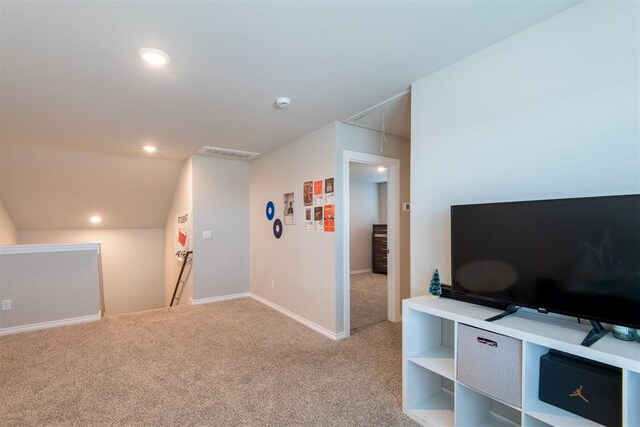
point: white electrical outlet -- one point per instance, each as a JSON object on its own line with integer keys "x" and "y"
{"x": 207, "y": 234}
{"x": 6, "y": 304}
{"x": 273, "y": 284}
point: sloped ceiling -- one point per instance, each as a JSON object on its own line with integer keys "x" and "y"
{"x": 77, "y": 103}
{"x": 55, "y": 189}
{"x": 70, "y": 76}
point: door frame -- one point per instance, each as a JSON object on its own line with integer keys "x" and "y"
{"x": 393, "y": 233}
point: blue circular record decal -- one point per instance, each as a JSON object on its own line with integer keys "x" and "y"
{"x": 271, "y": 210}
{"x": 277, "y": 228}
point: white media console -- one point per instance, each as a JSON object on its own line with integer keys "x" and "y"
{"x": 433, "y": 396}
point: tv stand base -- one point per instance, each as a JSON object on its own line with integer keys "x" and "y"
{"x": 509, "y": 310}
{"x": 595, "y": 334}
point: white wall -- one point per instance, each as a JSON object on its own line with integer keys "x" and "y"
{"x": 220, "y": 204}
{"x": 550, "y": 112}
{"x": 306, "y": 266}
{"x": 363, "y": 213}
{"x": 8, "y": 232}
{"x": 132, "y": 264}
{"x": 182, "y": 202}
{"x": 55, "y": 284}
{"x": 301, "y": 263}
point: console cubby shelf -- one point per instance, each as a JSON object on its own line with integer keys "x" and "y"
{"x": 477, "y": 409}
{"x": 429, "y": 397}
{"x": 439, "y": 360}
{"x": 433, "y": 396}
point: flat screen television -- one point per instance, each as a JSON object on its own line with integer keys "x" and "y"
{"x": 579, "y": 257}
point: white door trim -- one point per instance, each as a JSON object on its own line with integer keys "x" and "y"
{"x": 393, "y": 233}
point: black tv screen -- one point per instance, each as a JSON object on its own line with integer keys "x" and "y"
{"x": 579, "y": 257}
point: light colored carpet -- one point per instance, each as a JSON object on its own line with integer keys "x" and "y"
{"x": 226, "y": 364}
{"x": 368, "y": 300}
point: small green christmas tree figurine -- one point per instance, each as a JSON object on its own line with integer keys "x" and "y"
{"x": 435, "y": 289}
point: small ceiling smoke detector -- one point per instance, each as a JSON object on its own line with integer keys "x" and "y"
{"x": 154, "y": 57}
{"x": 283, "y": 102}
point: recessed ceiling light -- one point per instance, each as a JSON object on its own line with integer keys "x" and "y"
{"x": 149, "y": 149}
{"x": 154, "y": 57}
{"x": 95, "y": 219}
{"x": 381, "y": 169}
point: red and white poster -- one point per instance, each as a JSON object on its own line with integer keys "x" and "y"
{"x": 318, "y": 193}
{"x": 182, "y": 235}
{"x": 329, "y": 218}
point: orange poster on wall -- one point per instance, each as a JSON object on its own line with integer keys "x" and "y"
{"x": 329, "y": 218}
{"x": 318, "y": 193}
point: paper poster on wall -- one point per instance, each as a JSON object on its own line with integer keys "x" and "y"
{"x": 308, "y": 219}
{"x": 289, "y": 217}
{"x": 329, "y": 195}
{"x": 318, "y": 193}
{"x": 182, "y": 235}
{"x": 307, "y": 193}
{"x": 317, "y": 218}
{"x": 329, "y": 218}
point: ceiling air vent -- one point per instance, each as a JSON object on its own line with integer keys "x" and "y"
{"x": 227, "y": 153}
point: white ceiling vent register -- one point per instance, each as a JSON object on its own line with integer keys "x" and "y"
{"x": 227, "y": 153}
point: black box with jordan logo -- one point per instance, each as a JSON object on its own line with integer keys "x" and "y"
{"x": 586, "y": 388}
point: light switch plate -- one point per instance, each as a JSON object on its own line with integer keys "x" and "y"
{"x": 207, "y": 234}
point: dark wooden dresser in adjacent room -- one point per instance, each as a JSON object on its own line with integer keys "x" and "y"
{"x": 379, "y": 249}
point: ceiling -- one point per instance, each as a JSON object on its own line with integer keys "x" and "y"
{"x": 70, "y": 76}
{"x": 366, "y": 172}
{"x": 47, "y": 188}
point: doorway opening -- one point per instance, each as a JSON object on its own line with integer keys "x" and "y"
{"x": 371, "y": 282}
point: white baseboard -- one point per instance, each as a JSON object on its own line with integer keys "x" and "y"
{"x": 340, "y": 336}
{"x": 366, "y": 270}
{"x": 320, "y": 329}
{"x": 218, "y": 299}
{"x": 51, "y": 324}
